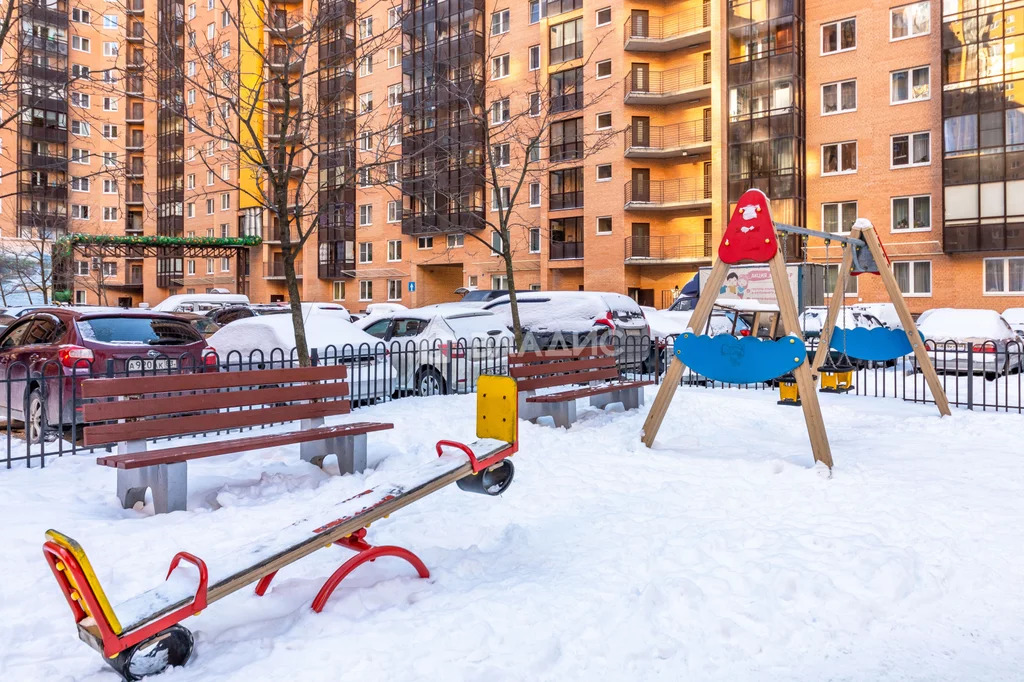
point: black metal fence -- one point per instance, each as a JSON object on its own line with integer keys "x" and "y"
{"x": 41, "y": 402}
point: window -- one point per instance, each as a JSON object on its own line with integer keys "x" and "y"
{"x": 395, "y": 211}
{"x": 534, "y": 57}
{"x": 81, "y": 72}
{"x": 191, "y": 96}
{"x": 110, "y": 186}
{"x": 395, "y": 95}
{"x": 80, "y": 16}
{"x": 225, "y": 201}
{"x": 838, "y": 217}
{"x": 536, "y": 11}
{"x": 82, "y": 268}
{"x": 499, "y": 199}
{"x": 79, "y": 99}
{"x": 910, "y": 21}
{"x": 911, "y": 85}
{"x": 338, "y": 291}
{"x": 839, "y": 36}
{"x": 497, "y": 243}
{"x": 395, "y": 135}
{"x": 79, "y": 43}
{"x": 912, "y": 213}
{"x": 366, "y": 65}
{"x": 604, "y": 120}
{"x": 365, "y": 290}
{"x": 534, "y": 240}
{"x": 535, "y": 194}
{"x": 191, "y": 68}
{"x": 604, "y": 16}
{"x": 604, "y": 172}
{"x": 225, "y": 49}
{"x": 109, "y": 269}
{"x": 211, "y": 206}
{"x": 109, "y": 213}
{"x": 366, "y": 103}
{"x": 456, "y": 241}
{"x": 365, "y": 252}
{"x": 837, "y": 98}
{"x": 225, "y": 171}
{"x": 604, "y": 225}
{"x": 832, "y": 276}
{"x": 80, "y": 128}
{"x": 394, "y": 56}
{"x": 1004, "y": 275}
{"x": 566, "y": 41}
{"x": 109, "y": 158}
{"x": 912, "y": 149}
{"x": 394, "y": 250}
{"x": 109, "y": 104}
{"x": 365, "y": 141}
{"x": 225, "y": 19}
{"x": 190, "y": 181}
{"x": 80, "y": 156}
{"x": 499, "y": 282}
{"x": 363, "y": 177}
{"x": 392, "y": 172}
{"x": 211, "y": 30}
{"x": 565, "y": 189}
{"x": 499, "y": 66}
{"x": 914, "y": 277}
{"x": 840, "y": 157}
{"x": 79, "y": 211}
{"x": 365, "y": 214}
{"x": 79, "y": 184}
{"x": 499, "y": 22}
{"x": 192, "y": 11}
{"x": 394, "y": 290}
{"x": 394, "y": 17}
{"x": 471, "y": 281}
{"x": 190, "y": 210}
{"x": 110, "y": 131}
{"x": 604, "y": 69}
{"x": 500, "y": 155}
{"x": 80, "y": 297}
{"x": 424, "y": 243}
{"x": 500, "y": 112}
{"x": 534, "y": 104}
{"x": 225, "y": 264}
{"x": 210, "y": 177}
{"x": 110, "y": 21}
{"x": 365, "y": 28}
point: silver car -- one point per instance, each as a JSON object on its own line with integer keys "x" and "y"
{"x": 970, "y": 340}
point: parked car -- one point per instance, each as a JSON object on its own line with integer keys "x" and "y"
{"x": 1015, "y": 318}
{"x": 198, "y": 303}
{"x": 478, "y": 298}
{"x": 430, "y": 348}
{"x": 201, "y": 323}
{"x": 11, "y": 314}
{"x": 267, "y": 341}
{"x": 230, "y": 313}
{"x": 576, "y": 319}
{"x": 64, "y": 343}
{"x": 885, "y": 313}
{"x": 667, "y": 324}
{"x": 995, "y": 347}
{"x": 812, "y": 320}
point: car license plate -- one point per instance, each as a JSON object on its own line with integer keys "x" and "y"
{"x": 151, "y": 365}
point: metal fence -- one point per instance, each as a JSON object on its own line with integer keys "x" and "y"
{"x": 41, "y": 403}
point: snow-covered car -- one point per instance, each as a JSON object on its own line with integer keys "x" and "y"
{"x": 885, "y": 313}
{"x": 812, "y": 319}
{"x": 995, "y": 347}
{"x": 440, "y": 350}
{"x": 268, "y": 341}
{"x": 667, "y": 324}
{"x": 576, "y": 319}
{"x": 1015, "y": 318}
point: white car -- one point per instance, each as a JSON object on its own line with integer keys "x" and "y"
{"x": 994, "y": 347}
{"x": 883, "y": 312}
{"x": 1015, "y": 318}
{"x": 442, "y": 350}
{"x": 268, "y": 341}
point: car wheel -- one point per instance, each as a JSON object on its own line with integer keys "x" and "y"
{"x": 991, "y": 376}
{"x": 429, "y": 382}
{"x": 37, "y": 429}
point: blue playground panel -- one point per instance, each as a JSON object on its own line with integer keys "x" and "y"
{"x": 744, "y": 360}
{"x": 878, "y": 344}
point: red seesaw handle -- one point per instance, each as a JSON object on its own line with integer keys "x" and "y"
{"x": 199, "y": 601}
{"x": 459, "y": 446}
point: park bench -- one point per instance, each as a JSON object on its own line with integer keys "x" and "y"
{"x": 142, "y": 635}
{"x": 138, "y": 409}
{"x": 582, "y": 372}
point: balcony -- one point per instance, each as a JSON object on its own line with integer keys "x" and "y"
{"x": 337, "y": 51}
{"x": 683, "y": 84}
{"x": 336, "y": 11}
{"x": 48, "y": 221}
{"x": 566, "y": 151}
{"x": 50, "y": 162}
{"x": 133, "y": 224}
{"x": 556, "y": 7}
{"x": 565, "y": 53}
{"x": 334, "y": 86}
{"x": 136, "y": 34}
{"x": 57, "y": 192}
{"x": 289, "y": 26}
{"x": 984, "y": 237}
{"x": 559, "y": 250}
{"x": 40, "y": 13}
{"x": 134, "y": 197}
{"x": 674, "y": 248}
{"x": 564, "y": 200}
{"x": 428, "y": 223}
{"x": 668, "y": 195}
{"x": 45, "y": 44}
{"x": 44, "y": 73}
{"x": 275, "y": 270}
{"x": 135, "y": 144}
{"x": 135, "y": 7}
{"x": 280, "y": 97}
{"x": 28, "y": 100}
{"x": 46, "y": 133}
{"x": 671, "y": 32}
{"x": 663, "y": 142}
{"x": 572, "y": 101}
{"x": 458, "y": 46}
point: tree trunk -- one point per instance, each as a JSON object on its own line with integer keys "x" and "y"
{"x": 510, "y": 277}
{"x": 295, "y": 303}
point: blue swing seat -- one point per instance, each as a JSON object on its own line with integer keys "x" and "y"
{"x": 744, "y": 360}
{"x": 879, "y": 344}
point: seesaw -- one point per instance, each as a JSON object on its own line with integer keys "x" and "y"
{"x": 142, "y": 636}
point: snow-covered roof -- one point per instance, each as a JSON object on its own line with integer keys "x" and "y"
{"x": 268, "y": 332}
{"x": 171, "y": 303}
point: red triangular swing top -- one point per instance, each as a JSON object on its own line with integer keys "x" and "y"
{"x": 750, "y": 235}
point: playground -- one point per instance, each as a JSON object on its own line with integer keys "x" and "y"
{"x": 720, "y": 553}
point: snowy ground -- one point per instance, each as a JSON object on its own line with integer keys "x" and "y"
{"x": 722, "y": 554}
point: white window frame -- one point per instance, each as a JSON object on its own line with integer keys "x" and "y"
{"x": 83, "y": 44}
{"x": 852, "y": 283}
{"x": 597, "y": 17}
{"x": 597, "y": 172}
{"x": 503, "y": 24}
{"x": 501, "y": 66}
{"x": 394, "y": 250}
{"x": 910, "y": 85}
{"x": 910, "y": 213}
{"x": 501, "y": 111}
{"x": 365, "y": 215}
{"x": 110, "y": 214}
{"x": 424, "y": 243}
{"x": 366, "y": 290}
{"x": 838, "y": 23}
{"x": 597, "y": 225}
{"x": 394, "y": 211}
{"x": 365, "y": 250}
{"x": 500, "y": 194}
{"x": 910, "y": 150}
{"x": 533, "y": 52}
{"x": 597, "y": 120}
{"x": 910, "y": 34}
{"x": 534, "y": 194}
{"x": 338, "y": 292}
{"x": 1005, "y": 260}
{"x": 394, "y": 290}
{"x": 394, "y": 17}
{"x": 597, "y": 69}
{"x": 913, "y": 264}
{"x": 501, "y": 154}
{"x": 394, "y": 95}
{"x": 394, "y": 56}
{"x": 838, "y": 85}
{"x": 110, "y": 22}
{"x": 840, "y": 210}
{"x": 455, "y": 240}
{"x": 839, "y": 149}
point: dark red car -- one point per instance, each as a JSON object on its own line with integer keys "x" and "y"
{"x": 45, "y": 355}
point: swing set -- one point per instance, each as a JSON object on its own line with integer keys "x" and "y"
{"x": 751, "y": 237}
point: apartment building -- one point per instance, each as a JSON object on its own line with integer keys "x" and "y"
{"x": 656, "y": 116}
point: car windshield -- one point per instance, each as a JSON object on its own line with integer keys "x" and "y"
{"x": 469, "y": 326}
{"x": 478, "y": 295}
{"x": 136, "y": 331}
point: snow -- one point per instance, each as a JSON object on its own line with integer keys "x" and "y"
{"x": 568, "y": 311}
{"x": 267, "y": 332}
{"x": 943, "y": 324}
{"x": 718, "y": 555}
{"x": 1014, "y": 317}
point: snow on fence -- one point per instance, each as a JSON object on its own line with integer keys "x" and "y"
{"x": 978, "y": 376}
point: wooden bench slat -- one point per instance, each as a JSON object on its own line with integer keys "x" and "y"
{"x": 169, "y": 383}
{"x": 567, "y": 379}
{"x": 195, "y": 402}
{"x": 586, "y": 391}
{"x": 185, "y": 453}
{"x": 175, "y": 426}
{"x": 547, "y": 368}
{"x": 555, "y": 354}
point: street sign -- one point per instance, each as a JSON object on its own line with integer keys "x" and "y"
{"x": 412, "y": 285}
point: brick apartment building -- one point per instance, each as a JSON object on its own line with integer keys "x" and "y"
{"x": 899, "y": 114}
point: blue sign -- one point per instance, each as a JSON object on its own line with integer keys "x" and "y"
{"x": 412, "y": 285}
